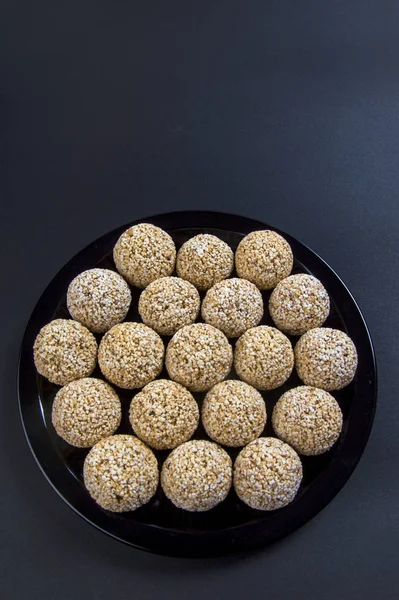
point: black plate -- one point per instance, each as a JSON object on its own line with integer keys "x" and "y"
{"x": 231, "y": 526}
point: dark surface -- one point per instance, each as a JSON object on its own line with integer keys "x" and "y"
{"x": 232, "y": 526}
{"x": 282, "y": 111}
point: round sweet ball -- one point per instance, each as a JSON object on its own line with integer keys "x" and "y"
{"x": 121, "y": 473}
{"x": 326, "y": 358}
{"x": 144, "y": 253}
{"x": 99, "y": 299}
{"x": 164, "y": 414}
{"x": 264, "y": 357}
{"x": 308, "y": 419}
{"x": 265, "y": 258}
{"x": 233, "y": 413}
{"x": 131, "y": 355}
{"x": 65, "y": 350}
{"x": 197, "y": 475}
{"x": 267, "y": 474}
{"x": 233, "y": 306}
{"x": 86, "y": 411}
{"x": 204, "y": 260}
{"x": 299, "y": 303}
{"x": 198, "y": 356}
{"x": 169, "y": 303}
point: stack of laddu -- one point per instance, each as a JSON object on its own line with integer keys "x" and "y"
{"x": 121, "y": 472}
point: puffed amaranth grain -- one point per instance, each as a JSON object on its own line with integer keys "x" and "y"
{"x": 144, "y": 253}
{"x": 169, "y": 303}
{"x": 164, "y": 414}
{"x": 264, "y": 357}
{"x": 197, "y": 475}
{"x": 308, "y": 419}
{"x": 299, "y": 303}
{"x": 326, "y": 358}
{"x": 233, "y": 306}
{"x": 99, "y": 299}
{"x": 86, "y": 411}
{"x": 121, "y": 473}
{"x": 65, "y": 350}
{"x": 198, "y": 356}
{"x": 233, "y": 413}
{"x": 204, "y": 260}
{"x": 265, "y": 258}
{"x": 131, "y": 355}
{"x": 267, "y": 474}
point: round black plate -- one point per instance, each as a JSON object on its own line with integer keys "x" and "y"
{"x": 231, "y": 526}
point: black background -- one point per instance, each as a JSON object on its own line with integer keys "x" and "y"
{"x": 284, "y": 111}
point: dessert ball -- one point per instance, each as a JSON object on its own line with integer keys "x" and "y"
{"x": 197, "y": 475}
{"x": 131, "y": 355}
{"x": 198, "y": 356}
{"x": 121, "y": 473}
{"x": 264, "y": 357}
{"x": 204, "y": 260}
{"x": 308, "y": 419}
{"x": 86, "y": 411}
{"x": 164, "y": 414}
{"x": 326, "y": 358}
{"x": 169, "y": 303}
{"x": 99, "y": 299}
{"x": 267, "y": 474}
{"x": 265, "y": 258}
{"x": 233, "y": 413}
{"x": 144, "y": 253}
{"x": 65, "y": 350}
{"x": 299, "y": 303}
{"x": 233, "y": 306}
